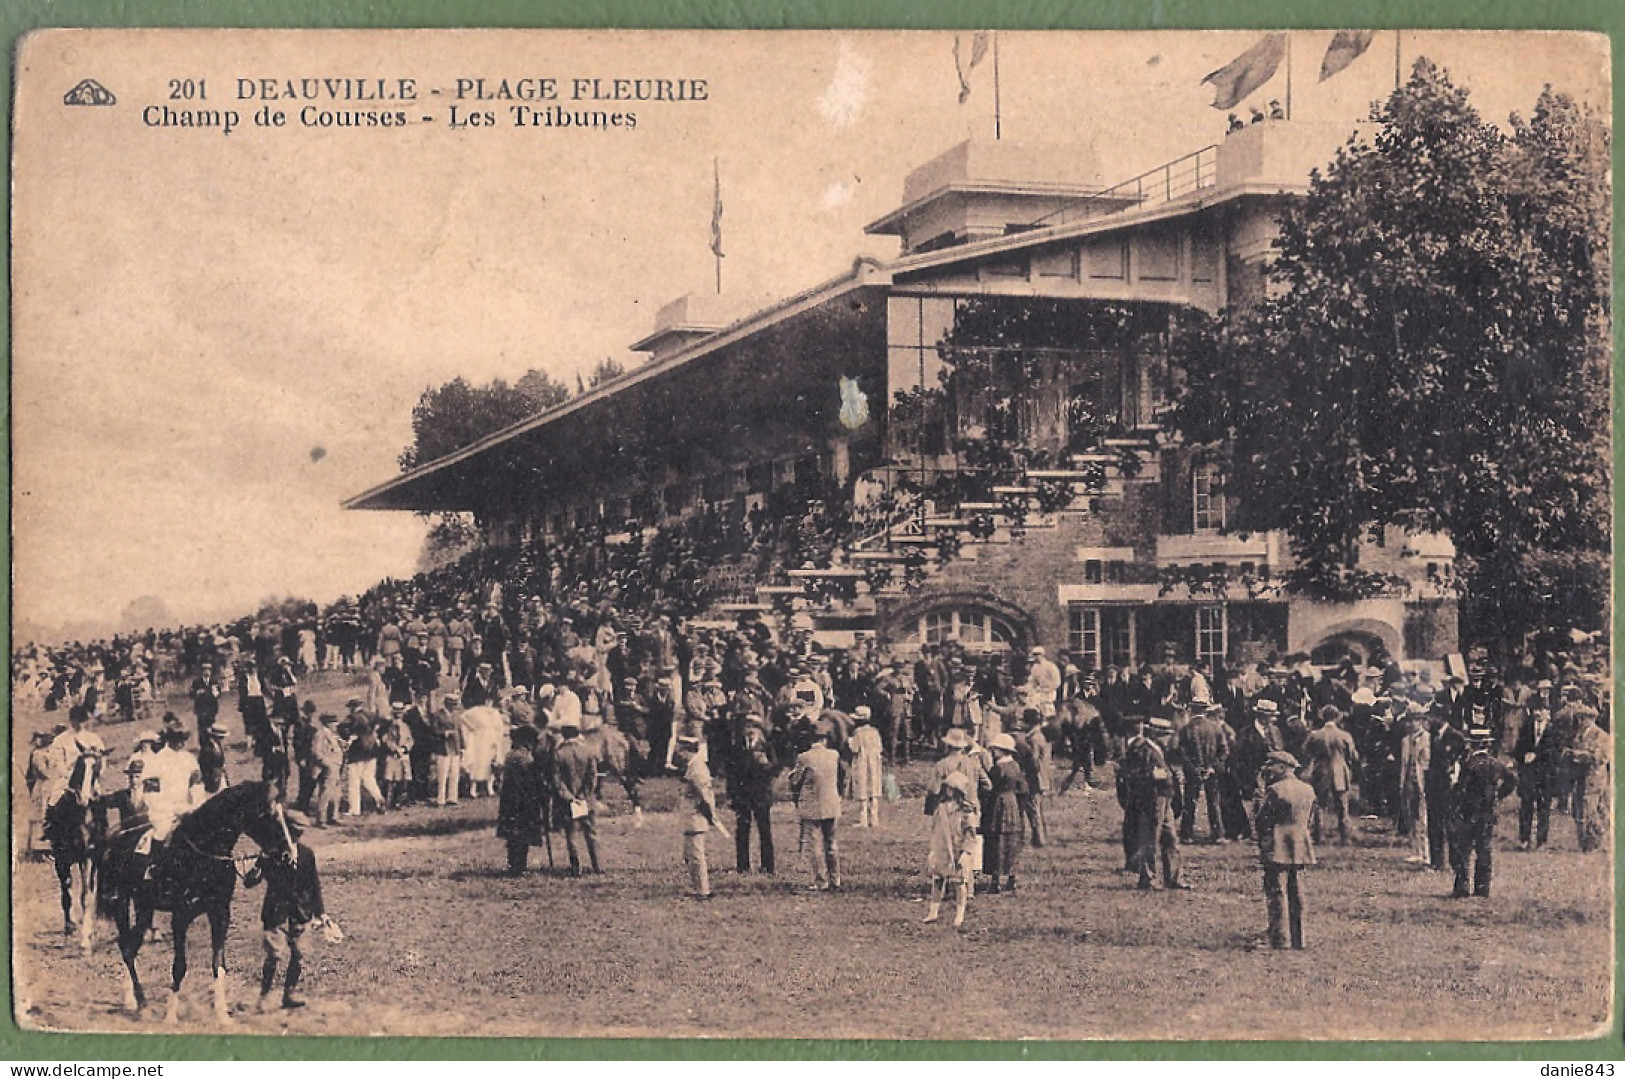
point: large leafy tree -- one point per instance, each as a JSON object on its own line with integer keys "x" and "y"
{"x": 456, "y": 414}
{"x": 1433, "y": 353}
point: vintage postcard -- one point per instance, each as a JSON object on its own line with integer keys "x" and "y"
{"x": 909, "y": 535}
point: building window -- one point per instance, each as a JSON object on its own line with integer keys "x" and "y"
{"x": 1118, "y": 635}
{"x": 969, "y": 626}
{"x": 936, "y": 627}
{"x": 1093, "y": 571}
{"x": 1210, "y": 635}
{"x": 1084, "y": 637}
{"x": 1207, "y": 497}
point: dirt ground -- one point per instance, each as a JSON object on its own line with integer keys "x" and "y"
{"x": 439, "y": 942}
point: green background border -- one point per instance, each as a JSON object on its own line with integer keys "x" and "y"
{"x": 19, "y": 16}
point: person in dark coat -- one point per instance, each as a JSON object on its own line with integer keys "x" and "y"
{"x": 481, "y": 687}
{"x": 1148, "y": 791}
{"x": 1005, "y": 825}
{"x": 1484, "y": 780}
{"x": 521, "y": 801}
{"x": 1281, "y": 821}
{"x": 575, "y": 784}
{"x": 1253, "y": 745}
{"x": 211, "y": 758}
{"x": 1536, "y": 755}
{"x": 663, "y": 717}
{"x": 251, "y": 705}
{"x": 751, "y": 768}
{"x": 293, "y": 901}
{"x": 205, "y": 694}
{"x": 282, "y": 687}
{"x": 1448, "y": 751}
{"x": 1204, "y": 745}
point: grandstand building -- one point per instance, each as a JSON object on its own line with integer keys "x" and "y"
{"x": 969, "y": 431}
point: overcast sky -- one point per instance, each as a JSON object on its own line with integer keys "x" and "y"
{"x": 219, "y": 338}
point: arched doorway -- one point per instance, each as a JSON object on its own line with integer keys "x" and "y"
{"x": 979, "y": 623}
{"x": 1360, "y": 641}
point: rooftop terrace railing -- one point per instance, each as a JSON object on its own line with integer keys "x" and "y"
{"x": 1163, "y": 184}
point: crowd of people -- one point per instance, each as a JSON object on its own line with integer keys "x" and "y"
{"x": 475, "y": 686}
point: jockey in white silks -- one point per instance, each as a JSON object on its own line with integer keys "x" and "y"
{"x": 146, "y": 748}
{"x": 171, "y": 784}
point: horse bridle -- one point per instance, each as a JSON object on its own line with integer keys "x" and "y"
{"x": 234, "y": 859}
{"x": 237, "y": 860}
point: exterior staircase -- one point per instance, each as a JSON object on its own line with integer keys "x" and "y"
{"x": 924, "y": 539}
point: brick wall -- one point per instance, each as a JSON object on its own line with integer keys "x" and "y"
{"x": 1025, "y": 573}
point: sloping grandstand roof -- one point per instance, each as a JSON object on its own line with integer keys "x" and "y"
{"x": 424, "y": 487}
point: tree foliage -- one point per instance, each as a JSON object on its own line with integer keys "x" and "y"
{"x": 456, "y": 414}
{"x": 1433, "y": 349}
{"x": 607, "y": 369}
{"x": 285, "y": 609}
{"x": 451, "y": 537}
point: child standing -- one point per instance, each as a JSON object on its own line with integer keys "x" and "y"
{"x": 951, "y": 857}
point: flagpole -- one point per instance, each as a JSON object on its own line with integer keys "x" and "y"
{"x": 996, "y": 117}
{"x": 1396, "y": 59}
{"x": 1289, "y": 74}
{"x": 716, "y": 240}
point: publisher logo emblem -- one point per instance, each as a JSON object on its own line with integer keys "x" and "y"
{"x": 89, "y": 92}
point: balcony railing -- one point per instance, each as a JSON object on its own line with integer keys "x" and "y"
{"x": 1163, "y": 184}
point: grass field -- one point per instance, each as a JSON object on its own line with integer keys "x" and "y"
{"x": 439, "y": 942}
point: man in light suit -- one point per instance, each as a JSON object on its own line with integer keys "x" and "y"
{"x": 1332, "y": 756}
{"x": 815, "y": 786}
{"x": 1282, "y": 823}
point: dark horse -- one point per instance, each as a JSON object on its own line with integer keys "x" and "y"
{"x": 74, "y": 828}
{"x": 195, "y": 872}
